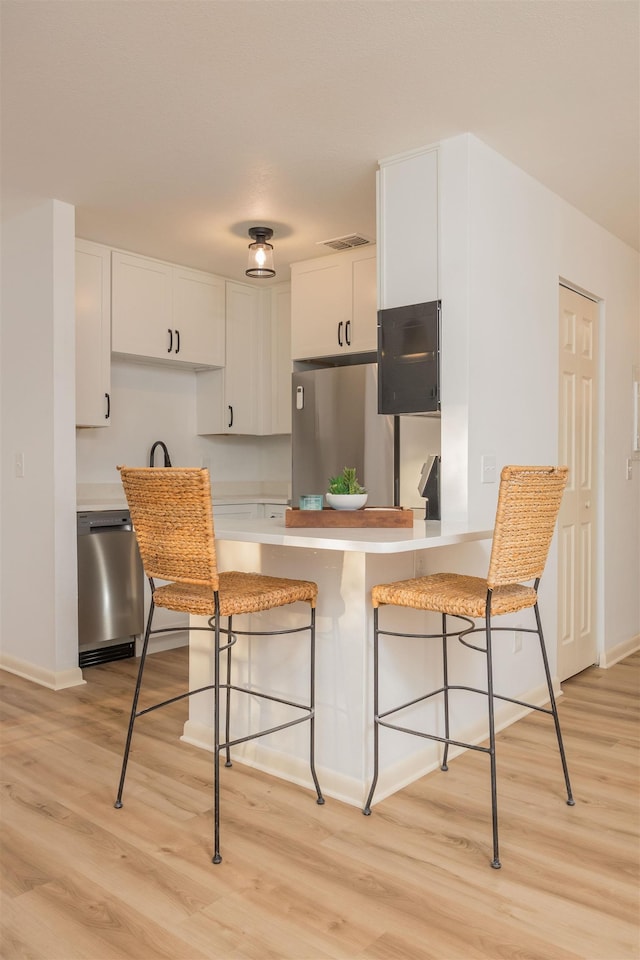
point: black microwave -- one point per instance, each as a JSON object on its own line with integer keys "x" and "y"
{"x": 409, "y": 359}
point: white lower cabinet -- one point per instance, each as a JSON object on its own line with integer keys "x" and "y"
{"x": 236, "y": 511}
{"x": 93, "y": 334}
{"x": 169, "y": 620}
{"x": 274, "y": 511}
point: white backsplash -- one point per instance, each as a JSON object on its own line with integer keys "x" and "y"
{"x": 158, "y": 403}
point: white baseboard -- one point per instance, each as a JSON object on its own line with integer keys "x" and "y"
{"x": 621, "y": 650}
{"x": 53, "y": 679}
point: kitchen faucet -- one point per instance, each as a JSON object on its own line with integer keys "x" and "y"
{"x": 159, "y": 443}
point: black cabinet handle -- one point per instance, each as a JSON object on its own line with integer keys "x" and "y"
{"x": 230, "y": 424}
{"x": 178, "y": 341}
{"x": 108, "y": 413}
{"x": 170, "y": 332}
{"x": 347, "y": 332}
{"x": 340, "y": 325}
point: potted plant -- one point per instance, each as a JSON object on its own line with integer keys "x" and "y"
{"x": 345, "y": 492}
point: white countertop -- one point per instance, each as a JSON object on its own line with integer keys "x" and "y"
{"x": 425, "y": 534}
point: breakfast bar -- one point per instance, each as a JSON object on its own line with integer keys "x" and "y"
{"x": 345, "y": 563}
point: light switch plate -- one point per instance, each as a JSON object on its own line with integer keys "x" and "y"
{"x": 488, "y": 468}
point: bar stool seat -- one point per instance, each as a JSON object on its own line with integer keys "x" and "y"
{"x": 238, "y": 593}
{"x": 455, "y": 594}
{"x": 528, "y": 504}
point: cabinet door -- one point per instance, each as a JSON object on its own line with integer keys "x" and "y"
{"x": 141, "y": 307}
{"x": 321, "y": 306}
{"x": 280, "y": 358}
{"x": 198, "y": 317}
{"x": 247, "y": 361}
{"x": 234, "y": 400}
{"x": 274, "y": 511}
{"x": 408, "y": 229}
{"x": 93, "y": 334}
{"x": 236, "y": 511}
{"x": 164, "y": 619}
{"x": 362, "y": 334}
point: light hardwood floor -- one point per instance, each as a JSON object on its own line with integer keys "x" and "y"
{"x": 83, "y": 880}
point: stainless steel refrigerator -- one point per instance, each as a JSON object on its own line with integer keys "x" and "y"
{"x": 336, "y": 424}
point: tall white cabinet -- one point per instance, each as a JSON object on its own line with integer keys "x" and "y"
{"x": 93, "y": 334}
{"x": 408, "y": 229}
{"x": 334, "y": 304}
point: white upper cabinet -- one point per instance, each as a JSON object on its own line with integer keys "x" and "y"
{"x": 93, "y": 334}
{"x": 199, "y": 316}
{"x": 164, "y": 312}
{"x": 408, "y": 228}
{"x": 280, "y": 321}
{"x": 333, "y": 304}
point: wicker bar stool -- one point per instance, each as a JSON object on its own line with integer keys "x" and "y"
{"x": 528, "y": 504}
{"x": 173, "y": 522}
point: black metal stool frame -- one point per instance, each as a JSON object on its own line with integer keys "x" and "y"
{"x": 462, "y": 634}
{"x": 215, "y": 627}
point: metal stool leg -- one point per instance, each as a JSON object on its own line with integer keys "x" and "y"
{"x": 134, "y": 705}
{"x": 227, "y": 723}
{"x": 312, "y": 704}
{"x": 367, "y": 806}
{"x": 216, "y": 736}
{"x": 492, "y": 740}
{"x": 554, "y": 709}
{"x": 445, "y": 680}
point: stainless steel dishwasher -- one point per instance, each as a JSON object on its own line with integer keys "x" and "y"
{"x": 110, "y": 587}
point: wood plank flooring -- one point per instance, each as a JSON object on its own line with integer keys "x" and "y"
{"x": 83, "y": 881}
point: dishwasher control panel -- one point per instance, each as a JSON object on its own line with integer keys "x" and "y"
{"x": 90, "y": 520}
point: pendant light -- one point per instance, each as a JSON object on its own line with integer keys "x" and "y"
{"x": 260, "y": 263}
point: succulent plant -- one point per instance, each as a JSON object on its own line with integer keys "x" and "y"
{"x": 345, "y": 483}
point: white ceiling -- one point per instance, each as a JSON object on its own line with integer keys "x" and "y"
{"x": 174, "y": 126}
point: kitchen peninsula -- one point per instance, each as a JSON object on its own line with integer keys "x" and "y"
{"x": 345, "y": 563}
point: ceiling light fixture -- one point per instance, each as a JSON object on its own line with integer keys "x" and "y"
{"x": 260, "y": 263}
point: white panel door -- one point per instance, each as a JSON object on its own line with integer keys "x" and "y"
{"x": 577, "y": 645}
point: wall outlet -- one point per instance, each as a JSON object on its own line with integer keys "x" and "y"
{"x": 629, "y": 473}
{"x": 488, "y": 468}
{"x": 19, "y": 465}
{"x": 517, "y": 641}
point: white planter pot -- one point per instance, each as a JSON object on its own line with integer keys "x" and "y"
{"x": 346, "y": 501}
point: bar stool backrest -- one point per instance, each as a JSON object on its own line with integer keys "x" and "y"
{"x": 528, "y": 504}
{"x": 173, "y": 521}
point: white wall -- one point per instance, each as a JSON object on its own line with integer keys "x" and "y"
{"x": 505, "y": 243}
{"x": 39, "y": 600}
{"x": 151, "y": 403}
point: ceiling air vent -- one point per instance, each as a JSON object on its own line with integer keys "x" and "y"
{"x": 345, "y": 243}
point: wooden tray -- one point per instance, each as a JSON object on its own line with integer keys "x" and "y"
{"x": 395, "y": 517}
